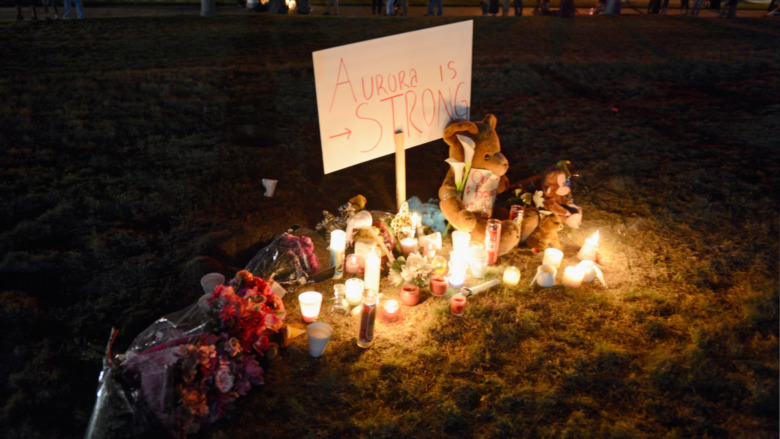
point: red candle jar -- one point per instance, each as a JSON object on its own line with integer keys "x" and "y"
{"x": 410, "y": 294}
{"x": 458, "y": 303}
{"x": 438, "y": 285}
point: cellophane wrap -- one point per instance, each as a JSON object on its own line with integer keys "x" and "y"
{"x": 290, "y": 259}
{"x": 180, "y": 373}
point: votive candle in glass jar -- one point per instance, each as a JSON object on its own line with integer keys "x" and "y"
{"x": 458, "y": 304}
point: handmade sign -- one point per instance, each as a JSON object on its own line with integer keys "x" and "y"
{"x": 415, "y": 83}
{"x": 479, "y": 192}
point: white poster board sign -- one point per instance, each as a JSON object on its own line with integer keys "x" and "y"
{"x": 415, "y": 82}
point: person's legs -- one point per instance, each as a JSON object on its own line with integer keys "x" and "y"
{"x": 79, "y": 9}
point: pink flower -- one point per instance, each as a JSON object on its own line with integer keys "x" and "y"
{"x": 224, "y": 379}
{"x": 271, "y": 321}
{"x": 262, "y": 344}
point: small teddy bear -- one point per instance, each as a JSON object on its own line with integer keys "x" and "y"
{"x": 546, "y": 234}
{"x": 487, "y": 156}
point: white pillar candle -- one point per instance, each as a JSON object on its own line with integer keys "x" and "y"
{"x": 338, "y": 239}
{"x": 354, "y": 292}
{"x": 460, "y": 241}
{"x": 572, "y": 276}
{"x": 511, "y": 276}
{"x": 371, "y": 277}
{"x": 458, "y": 273}
{"x": 552, "y": 256}
{"x": 589, "y": 250}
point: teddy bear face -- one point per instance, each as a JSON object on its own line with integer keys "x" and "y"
{"x": 551, "y": 223}
{"x": 482, "y": 137}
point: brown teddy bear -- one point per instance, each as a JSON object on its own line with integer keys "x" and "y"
{"x": 544, "y": 231}
{"x": 487, "y": 156}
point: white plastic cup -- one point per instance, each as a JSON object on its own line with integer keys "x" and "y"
{"x": 270, "y": 186}
{"x": 211, "y": 281}
{"x": 319, "y": 334}
{"x": 310, "y": 305}
{"x": 545, "y": 275}
{"x": 478, "y": 262}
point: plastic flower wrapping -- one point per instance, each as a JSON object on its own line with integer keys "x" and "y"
{"x": 290, "y": 259}
{"x": 181, "y": 373}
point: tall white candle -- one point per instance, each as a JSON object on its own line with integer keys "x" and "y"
{"x": 371, "y": 278}
{"x": 338, "y": 239}
{"x": 552, "y": 256}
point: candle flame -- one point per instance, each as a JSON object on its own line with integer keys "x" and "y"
{"x": 594, "y": 239}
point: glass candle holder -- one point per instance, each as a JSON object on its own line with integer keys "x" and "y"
{"x": 511, "y": 276}
{"x": 438, "y": 285}
{"x": 410, "y": 294}
{"x": 354, "y": 291}
{"x": 458, "y": 304}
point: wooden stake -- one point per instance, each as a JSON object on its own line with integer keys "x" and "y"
{"x": 400, "y": 169}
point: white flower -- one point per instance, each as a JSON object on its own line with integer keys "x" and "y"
{"x": 539, "y": 199}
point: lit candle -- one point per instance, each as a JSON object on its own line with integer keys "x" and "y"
{"x": 354, "y": 292}
{"x": 352, "y": 264}
{"x": 552, "y": 256}
{"x": 310, "y": 305}
{"x": 391, "y": 310}
{"x": 408, "y": 245}
{"x": 438, "y": 285}
{"x": 591, "y": 272}
{"x": 511, "y": 276}
{"x": 416, "y": 225}
{"x": 572, "y": 276}
{"x": 371, "y": 276}
{"x": 458, "y": 304}
{"x": 458, "y": 273}
{"x": 460, "y": 241}
{"x": 338, "y": 239}
{"x": 589, "y": 250}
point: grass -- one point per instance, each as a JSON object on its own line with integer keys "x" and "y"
{"x": 132, "y": 154}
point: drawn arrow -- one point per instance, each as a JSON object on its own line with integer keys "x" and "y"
{"x": 347, "y": 132}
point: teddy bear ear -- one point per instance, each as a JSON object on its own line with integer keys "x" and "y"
{"x": 491, "y": 120}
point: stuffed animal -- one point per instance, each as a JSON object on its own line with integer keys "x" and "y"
{"x": 486, "y": 156}
{"x": 546, "y": 234}
{"x": 430, "y": 214}
{"x": 557, "y": 197}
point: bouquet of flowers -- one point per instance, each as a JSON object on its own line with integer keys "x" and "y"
{"x": 183, "y": 371}
{"x": 414, "y": 269}
{"x": 288, "y": 260}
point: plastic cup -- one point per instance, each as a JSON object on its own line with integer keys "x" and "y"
{"x": 211, "y": 281}
{"x": 310, "y": 305}
{"x": 270, "y": 186}
{"x": 319, "y": 334}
